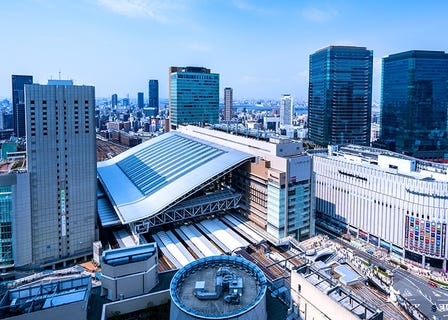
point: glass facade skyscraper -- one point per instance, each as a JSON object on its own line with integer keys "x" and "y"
{"x": 114, "y": 100}
{"x": 414, "y": 103}
{"x": 340, "y": 95}
{"x": 18, "y": 104}
{"x": 140, "y": 100}
{"x": 6, "y": 240}
{"x": 153, "y": 96}
{"x": 194, "y": 96}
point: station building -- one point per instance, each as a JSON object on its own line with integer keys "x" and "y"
{"x": 392, "y": 201}
{"x": 194, "y": 172}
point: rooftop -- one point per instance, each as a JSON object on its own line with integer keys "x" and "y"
{"x": 204, "y": 271}
{"x": 389, "y": 161}
{"x": 425, "y": 54}
{"x": 127, "y": 255}
{"x": 159, "y": 173}
{"x": 325, "y": 283}
{"x": 45, "y": 296}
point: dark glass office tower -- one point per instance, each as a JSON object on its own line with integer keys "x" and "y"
{"x": 340, "y": 95}
{"x": 140, "y": 100}
{"x": 153, "y": 103}
{"x": 114, "y": 100}
{"x": 414, "y": 103}
{"x": 18, "y": 102}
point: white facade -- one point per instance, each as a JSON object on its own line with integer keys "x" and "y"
{"x": 61, "y": 159}
{"x": 228, "y": 104}
{"x": 288, "y": 180}
{"x": 286, "y": 111}
{"x": 392, "y": 201}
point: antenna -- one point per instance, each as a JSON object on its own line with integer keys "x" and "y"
{"x": 59, "y": 74}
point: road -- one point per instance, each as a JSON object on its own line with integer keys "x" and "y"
{"x": 413, "y": 288}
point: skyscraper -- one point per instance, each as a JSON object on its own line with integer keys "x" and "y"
{"x": 194, "y": 96}
{"x": 140, "y": 100}
{"x": 18, "y": 104}
{"x": 153, "y": 100}
{"x": 414, "y": 103}
{"x": 61, "y": 157}
{"x": 228, "y": 103}
{"x": 114, "y": 100}
{"x": 286, "y": 110}
{"x": 340, "y": 95}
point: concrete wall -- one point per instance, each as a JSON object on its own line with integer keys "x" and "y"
{"x": 76, "y": 310}
{"x": 132, "y": 284}
{"x": 135, "y": 304}
{"x": 21, "y": 223}
{"x": 257, "y": 313}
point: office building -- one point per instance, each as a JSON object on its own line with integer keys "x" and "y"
{"x": 414, "y": 104}
{"x": 8, "y": 121}
{"x": 140, "y": 100}
{"x": 125, "y": 102}
{"x": 286, "y": 111}
{"x": 61, "y": 158}
{"x": 15, "y": 219}
{"x": 18, "y": 102}
{"x": 194, "y": 96}
{"x": 153, "y": 96}
{"x": 228, "y": 103}
{"x": 392, "y": 201}
{"x": 340, "y": 95}
{"x": 114, "y": 102}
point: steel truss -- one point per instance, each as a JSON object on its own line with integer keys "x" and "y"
{"x": 218, "y": 201}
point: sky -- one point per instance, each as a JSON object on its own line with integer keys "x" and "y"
{"x": 260, "y": 48}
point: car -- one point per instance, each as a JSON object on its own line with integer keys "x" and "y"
{"x": 434, "y": 308}
{"x": 432, "y": 284}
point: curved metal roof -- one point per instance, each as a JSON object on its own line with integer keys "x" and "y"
{"x": 148, "y": 178}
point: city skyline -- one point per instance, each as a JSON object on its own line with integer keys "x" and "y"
{"x": 118, "y": 45}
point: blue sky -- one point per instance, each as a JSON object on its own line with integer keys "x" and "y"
{"x": 260, "y": 48}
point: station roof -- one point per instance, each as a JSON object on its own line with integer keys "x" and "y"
{"x": 149, "y": 178}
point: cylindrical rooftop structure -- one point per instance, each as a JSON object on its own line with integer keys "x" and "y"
{"x": 219, "y": 287}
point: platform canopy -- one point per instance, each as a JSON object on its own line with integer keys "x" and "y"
{"x": 151, "y": 177}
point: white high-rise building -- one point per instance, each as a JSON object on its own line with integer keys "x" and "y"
{"x": 61, "y": 158}
{"x": 228, "y": 103}
{"x": 286, "y": 110}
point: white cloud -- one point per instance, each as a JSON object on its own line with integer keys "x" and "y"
{"x": 152, "y": 9}
{"x": 245, "y": 5}
{"x": 318, "y": 15}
